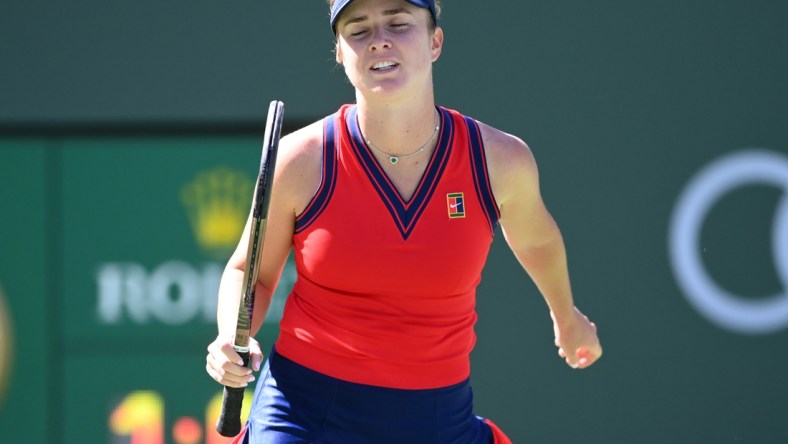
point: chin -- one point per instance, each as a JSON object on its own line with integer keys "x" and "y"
{"x": 385, "y": 89}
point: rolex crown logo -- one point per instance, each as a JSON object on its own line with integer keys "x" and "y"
{"x": 217, "y": 203}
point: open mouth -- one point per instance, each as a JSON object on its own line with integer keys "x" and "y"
{"x": 384, "y": 66}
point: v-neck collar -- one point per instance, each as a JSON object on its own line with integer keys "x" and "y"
{"x": 405, "y": 213}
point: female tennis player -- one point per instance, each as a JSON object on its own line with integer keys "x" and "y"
{"x": 390, "y": 205}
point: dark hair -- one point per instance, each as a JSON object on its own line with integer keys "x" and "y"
{"x": 432, "y": 25}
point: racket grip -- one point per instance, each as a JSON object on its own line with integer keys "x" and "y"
{"x": 229, "y": 423}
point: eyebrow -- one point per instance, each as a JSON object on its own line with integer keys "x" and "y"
{"x": 387, "y": 12}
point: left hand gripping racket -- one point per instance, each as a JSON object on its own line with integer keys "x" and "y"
{"x": 229, "y": 423}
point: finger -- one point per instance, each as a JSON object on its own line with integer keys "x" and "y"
{"x": 229, "y": 380}
{"x": 232, "y": 355}
{"x": 225, "y": 379}
{"x": 572, "y": 360}
{"x": 212, "y": 373}
{"x": 255, "y": 355}
{"x": 561, "y": 353}
{"x": 222, "y": 365}
{"x": 587, "y": 357}
{"x": 224, "y": 347}
{"x": 583, "y": 357}
{"x": 229, "y": 374}
{"x": 256, "y": 361}
{"x": 234, "y": 369}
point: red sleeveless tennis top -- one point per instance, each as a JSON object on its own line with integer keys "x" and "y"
{"x": 386, "y": 288}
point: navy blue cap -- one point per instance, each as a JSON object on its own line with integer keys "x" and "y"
{"x": 340, "y": 6}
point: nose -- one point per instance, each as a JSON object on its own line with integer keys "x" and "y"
{"x": 379, "y": 40}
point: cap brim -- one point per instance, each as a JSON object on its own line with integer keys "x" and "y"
{"x": 340, "y": 6}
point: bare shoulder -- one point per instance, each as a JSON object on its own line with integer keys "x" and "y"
{"x": 299, "y": 165}
{"x": 506, "y": 153}
{"x": 510, "y": 162}
{"x": 301, "y": 146}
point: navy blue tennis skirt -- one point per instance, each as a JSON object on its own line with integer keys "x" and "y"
{"x": 293, "y": 404}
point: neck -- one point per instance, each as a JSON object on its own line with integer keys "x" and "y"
{"x": 400, "y": 128}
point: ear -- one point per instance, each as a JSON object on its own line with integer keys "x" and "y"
{"x": 437, "y": 43}
{"x": 338, "y": 52}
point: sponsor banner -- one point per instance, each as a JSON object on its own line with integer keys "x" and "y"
{"x": 726, "y": 308}
{"x": 147, "y": 229}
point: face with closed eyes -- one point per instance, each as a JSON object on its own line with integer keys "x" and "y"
{"x": 387, "y": 47}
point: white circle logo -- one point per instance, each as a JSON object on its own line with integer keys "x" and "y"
{"x": 730, "y": 311}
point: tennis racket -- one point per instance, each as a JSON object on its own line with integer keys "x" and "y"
{"x": 229, "y": 423}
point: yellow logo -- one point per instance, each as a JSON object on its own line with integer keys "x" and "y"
{"x": 217, "y": 203}
{"x": 6, "y": 349}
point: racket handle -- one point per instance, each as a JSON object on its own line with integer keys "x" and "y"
{"x": 229, "y": 423}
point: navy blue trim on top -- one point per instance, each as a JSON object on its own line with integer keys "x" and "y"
{"x": 329, "y": 180}
{"x": 404, "y": 213}
{"x": 481, "y": 178}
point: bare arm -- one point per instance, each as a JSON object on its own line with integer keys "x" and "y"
{"x": 536, "y": 242}
{"x": 296, "y": 178}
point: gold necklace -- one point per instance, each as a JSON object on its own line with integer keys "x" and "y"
{"x": 394, "y": 159}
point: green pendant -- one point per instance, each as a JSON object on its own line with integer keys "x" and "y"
{"x": 393, "y": 160}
